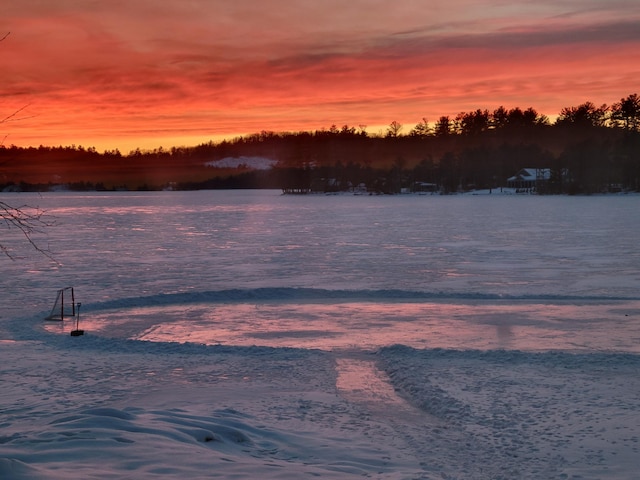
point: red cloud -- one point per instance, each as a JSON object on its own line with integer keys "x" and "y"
{"x": 195, "y": 70}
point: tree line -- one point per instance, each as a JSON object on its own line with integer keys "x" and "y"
{"x": 588, "y": 149}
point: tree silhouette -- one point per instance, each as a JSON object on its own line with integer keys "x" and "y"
{"x": 500, "y": 117}
{"x": 394, "y": 129}
{"x": 473, "y": 123}
{"x": 421, "y": 129}
{"x": 627, "y": 113}
{"x": 585, "y": 115}
{"x": 443, "y": 127}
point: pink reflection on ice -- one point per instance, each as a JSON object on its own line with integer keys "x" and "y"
{"x": 371, "y": 325}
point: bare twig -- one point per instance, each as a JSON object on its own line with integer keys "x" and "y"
{"x": 12, "y": 117}
{"x": 30, "y": 221}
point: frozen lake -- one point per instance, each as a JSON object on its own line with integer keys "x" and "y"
{"x": 260, "y": 268}
{"x": 246, "y": 334}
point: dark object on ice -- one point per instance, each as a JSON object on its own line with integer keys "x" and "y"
{"x": 77, "y": 332}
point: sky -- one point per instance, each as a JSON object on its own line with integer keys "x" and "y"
{"x": 148, "y": 73}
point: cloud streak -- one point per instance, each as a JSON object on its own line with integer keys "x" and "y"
{"x": 112, "y": 74}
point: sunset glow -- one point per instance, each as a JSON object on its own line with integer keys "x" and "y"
{"x": 145, "y": 74}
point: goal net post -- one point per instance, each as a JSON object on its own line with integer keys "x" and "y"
{"x": 64, "y": 306}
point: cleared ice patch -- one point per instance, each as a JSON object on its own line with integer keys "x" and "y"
{"x": 337, "y": 320}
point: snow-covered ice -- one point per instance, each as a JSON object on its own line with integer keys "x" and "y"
{"x": 254, "y": 335}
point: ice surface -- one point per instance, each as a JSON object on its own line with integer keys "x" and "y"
{"x": 249, "y": 334}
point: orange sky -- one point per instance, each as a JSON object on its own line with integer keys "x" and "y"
{"x": 148, "y": 73}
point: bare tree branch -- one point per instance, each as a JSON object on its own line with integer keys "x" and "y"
{"x": 12, "y": 117}
{"x": 30, "y": 221}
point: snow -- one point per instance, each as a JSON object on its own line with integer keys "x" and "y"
{"x": 348, "y": 368}
{"x": 95, "y": 409}
{"x": 91, "y": 408}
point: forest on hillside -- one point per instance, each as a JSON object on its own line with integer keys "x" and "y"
{"x": 587, "y": 149}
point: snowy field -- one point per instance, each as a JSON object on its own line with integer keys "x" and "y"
{"x": 253, "y": 335}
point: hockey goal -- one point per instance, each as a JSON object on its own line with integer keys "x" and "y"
{"x": 64, "y": 306}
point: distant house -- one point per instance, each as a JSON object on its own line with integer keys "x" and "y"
{"x": 529, "y": 178}
{"x": 425, "y": 187}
